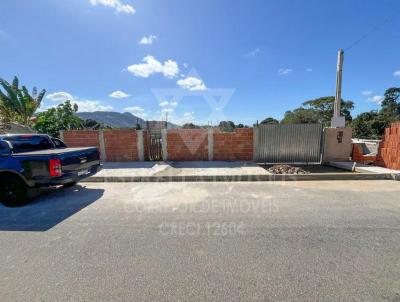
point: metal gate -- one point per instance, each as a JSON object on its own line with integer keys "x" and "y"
{"x": 297, "y": 143}
{"x": 155, "y": 145}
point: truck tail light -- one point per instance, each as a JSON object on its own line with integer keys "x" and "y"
{"x": 55, "y": 167}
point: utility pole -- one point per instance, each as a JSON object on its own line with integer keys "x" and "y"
{"x": 338, "y": 121}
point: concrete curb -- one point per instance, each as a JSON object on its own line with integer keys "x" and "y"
{"x": 233, "y": 178}
{"x": 364, "y": 170}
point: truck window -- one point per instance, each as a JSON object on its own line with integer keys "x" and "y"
{"x": 58, "y": 143}
{"x": 4, "y": 148}
{"x": 29, "y": 143}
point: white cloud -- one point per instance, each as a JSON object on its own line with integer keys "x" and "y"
{"x": 148, "y": 40}
{"x": 396, "y": 73}
{"x": 169, "y": 110}
{"x": 283, "y": 71}
{"x": 166, "y": 103}
{"x": 119, "y": 95}
{"x": 136, "y": 110}
{"x": 367, "y": 92}
{"x": 115, "y": 4}
{"x": 188, "y": 117}
{"x": 90, "y": 106}
{"x": 151, "y": 66}
{"x": 252, "y": 53}
{"x": 170, "y": 69}
{"x": 60, "y": 96}
{"x": 376, "y": 99}
{"x": 83, "y": 105}
{"x": 309, "y": 69}
{"x": 192, "y": 83}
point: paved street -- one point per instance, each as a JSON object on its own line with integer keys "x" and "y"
{"x": 263, "y": 241}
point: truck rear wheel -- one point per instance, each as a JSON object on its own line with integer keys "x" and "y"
{"x": 13, "y": 191}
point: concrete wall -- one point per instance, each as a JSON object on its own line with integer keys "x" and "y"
{"x": 337, "y": 144}
{"x": 358, "y": 155}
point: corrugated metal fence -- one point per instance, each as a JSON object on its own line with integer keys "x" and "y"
{"x": 289, "y": 143}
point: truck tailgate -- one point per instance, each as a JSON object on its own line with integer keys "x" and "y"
{"x": 79, "y": 160}
{"x": 72, "y": 159}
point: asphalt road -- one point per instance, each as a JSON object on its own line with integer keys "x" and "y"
{"x": 293, "y": 241}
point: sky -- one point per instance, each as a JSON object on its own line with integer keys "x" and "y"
{"x": 200, "y": 61}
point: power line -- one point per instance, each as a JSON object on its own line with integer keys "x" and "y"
{"x": 375, "y": 28}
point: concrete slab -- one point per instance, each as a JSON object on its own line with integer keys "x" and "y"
{"x": 210, "y": 171}
{"x": 123, "y": 169}
{"x": 187, "y": 168}
{"x": 366, "y": 169}
{"x": 212, "y": 168}
{"x": 348, "y": 165}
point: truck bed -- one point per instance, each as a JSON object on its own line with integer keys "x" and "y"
{"x": 52, "y": 151}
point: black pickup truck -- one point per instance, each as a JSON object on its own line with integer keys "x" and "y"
{"x": 32, "y": 161}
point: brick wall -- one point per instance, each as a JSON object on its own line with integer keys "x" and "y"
{"x": 187, "y": 144}
{"x": 182, "y": 144}
{"x": 358, "y": 155}
{"x": 81, "y": 138}
{"x": 236, "y": 145}
{"x": 389, "y": 151}
{"x": 121, "y": 145}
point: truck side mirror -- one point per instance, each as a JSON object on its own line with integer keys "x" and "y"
{"x": 5, "y": 148}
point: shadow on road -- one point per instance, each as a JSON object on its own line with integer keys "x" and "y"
{"x": 49, "y": 209}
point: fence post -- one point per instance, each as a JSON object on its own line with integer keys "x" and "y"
{"x": 210, "y": 143}
{"x": 62, "y": 135}
{"x": 255, "y": 142}
{"x": 164, "y": 136}
{"x": 140, "y": 146}
{"x": 103, "y": 155}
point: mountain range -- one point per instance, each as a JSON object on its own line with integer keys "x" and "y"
{"x": 116, "y": 119}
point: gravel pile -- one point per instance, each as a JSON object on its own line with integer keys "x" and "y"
{"x": 286, "y": 169}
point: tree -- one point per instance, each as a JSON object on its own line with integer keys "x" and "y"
{"x": 16, "y": 104}
{"x": 227, "y": 126}
{"x": 371, "y": 125}
{"x": 390, "y": 105}
{"x": 362, "y": 125}
{"x": 324, "y": 107}
{"x": 92, "y": 124}
{"x": 319, "y": 110}
{"x": 60, "y": 118}
{"x": 300, "y": 116}
{"x": 190, "y": 126}
{"x": 270, "y": 120}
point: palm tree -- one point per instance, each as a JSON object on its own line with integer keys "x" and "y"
{"x": 16, "y": 104}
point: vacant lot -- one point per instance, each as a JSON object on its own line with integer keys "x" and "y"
{"x": 304, "y": 241}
